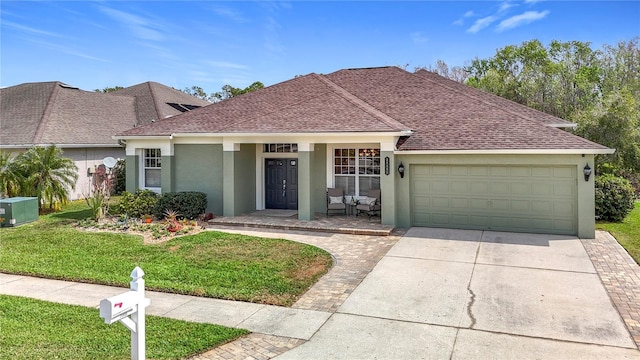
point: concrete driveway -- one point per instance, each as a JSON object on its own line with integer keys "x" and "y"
{"x": 460, "y": 294}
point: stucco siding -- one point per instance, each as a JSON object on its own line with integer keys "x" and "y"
{"x": 199, "y": 168}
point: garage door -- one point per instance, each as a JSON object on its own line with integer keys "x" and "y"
{"x": 538, "y": 199}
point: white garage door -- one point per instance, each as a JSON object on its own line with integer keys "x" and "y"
{"x": 538, "y": 199}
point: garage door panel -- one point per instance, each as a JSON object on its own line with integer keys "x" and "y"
{"x": 440, "y": 203}
{"x": 521, "y": 205}
{"x": 459, "y": 187}
{"x": 543, "y": 172}
{"x": 564, "y": 173}
{"x": 478, "y": 204}
{"x": 563, "y": 189}
{"x": 439, "y": 186}
{"x": 500, "y": 205}
{"x": 481, "y": 171}
{"x": 509, "y": 198}
{"x": 544, "y": 189}
{"x": 437, "y": 170}
{"x": 479, "y": 188}
{"x": 459, "y": 203}
{"x": 561, "y": 209}
{"x": 521, "y": 188}
{"x": 500, "y": 171}
{"x": 524, "y": 172}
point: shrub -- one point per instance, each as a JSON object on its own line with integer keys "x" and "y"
{"x": 120, "y": 173}
{"x": 189, "y": 204}
{"x": 138, "y": 204}
{"x": 614, "y": 197}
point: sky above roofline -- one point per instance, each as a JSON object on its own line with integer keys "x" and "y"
{"x": 97, "y": 44}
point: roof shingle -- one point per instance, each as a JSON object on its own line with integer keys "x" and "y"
{"x": 443, "y": 114}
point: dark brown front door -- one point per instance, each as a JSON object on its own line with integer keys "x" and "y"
{"x": 281, "y": 184}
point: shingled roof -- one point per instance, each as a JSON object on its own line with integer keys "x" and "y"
{"x": 155, "y": 101}
{"x": 56, "y": 113}
{"x": 443, "y": 114}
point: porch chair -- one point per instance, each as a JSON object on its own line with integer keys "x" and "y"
{"x": 335, "y": 200}
{"x": 370, "y": 205}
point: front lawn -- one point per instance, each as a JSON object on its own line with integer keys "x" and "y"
{"x": 626, "y": 232}
{"x": 212, "y": 264}
{"x": 35, "y": 329}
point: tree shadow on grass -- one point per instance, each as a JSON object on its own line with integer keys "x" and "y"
{"x": 72, "y": 215}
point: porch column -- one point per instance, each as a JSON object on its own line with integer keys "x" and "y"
{"x": 228, "y": 178}
{"x": 388, "y": 184}
{"x": 167, "y": 183}
{"x": 305, "y": 203}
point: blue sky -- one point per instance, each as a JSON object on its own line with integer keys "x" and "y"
{"x": 96, "y": 44}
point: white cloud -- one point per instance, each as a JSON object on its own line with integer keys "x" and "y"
{"x": 522, "y": 19}
{"x": 418, "y": 37}
{"x": 481, "y": 24}
{"x": 140, "y": 27}
{"x": 506, "y": 6}
{"x": 230, "y": 14}
{"x": 31, "y": 30}
{"x": 67, "y": 50}
{"x": 460, "y": 21}
{"x": 226, "y": 65}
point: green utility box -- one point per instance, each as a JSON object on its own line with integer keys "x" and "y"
{"x": 18, "y": 210}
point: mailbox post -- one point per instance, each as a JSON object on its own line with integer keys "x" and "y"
{"x": 129, "y": 309}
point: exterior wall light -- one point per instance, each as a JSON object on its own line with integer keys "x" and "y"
{"x": 587, "y": 172}
{"x": 401, "y": 170}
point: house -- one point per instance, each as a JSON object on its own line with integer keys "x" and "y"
{"x": 83, "y": 123}
{"x": 470, "y": 159}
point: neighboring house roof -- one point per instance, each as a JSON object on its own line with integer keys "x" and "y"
{"x": 55, "y": 113}
{"x": 443, "y": 114}
{"x": 155, "y": 101}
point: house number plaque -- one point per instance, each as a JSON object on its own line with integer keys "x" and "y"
{"x": 386, "y": 165}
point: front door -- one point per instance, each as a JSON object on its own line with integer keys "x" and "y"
{"x": 281, "y": 184}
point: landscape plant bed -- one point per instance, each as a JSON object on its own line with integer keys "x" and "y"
{"x": 208, "y": 263}
{"x": 35, "y": 329}
{"x": 152, "y": 233}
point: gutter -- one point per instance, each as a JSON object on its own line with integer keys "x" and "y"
{"x": 508, "y": 152}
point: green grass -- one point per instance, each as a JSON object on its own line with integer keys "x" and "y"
{"x": 34, "y": 329}
{"x": 211, "y": 264}
{"x": 626, "y": 232}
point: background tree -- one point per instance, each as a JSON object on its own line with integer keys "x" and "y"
{"x": 597, "y": 89}
{"x": 109, "y": 89}
{"x": 456, "y": 73}
{"x": 196, "y": 91}
{"x": 47, "y": 175}
{"x": 229, "y": 91}
{"x": 10, "y": 178}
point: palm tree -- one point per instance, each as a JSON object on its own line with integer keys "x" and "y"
{"x": 48, "y": 175}
{"x": 9, "y": 175}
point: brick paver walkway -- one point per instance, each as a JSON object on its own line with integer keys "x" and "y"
{"x": 354, "y": 257}
{"x": 253, "y": 346}
{"x": 620, "y": 275}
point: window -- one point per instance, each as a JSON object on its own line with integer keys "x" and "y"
{"x": 280, "y": 148}
{"x": 151, "y": 165}
{"x": 357, "y": 170}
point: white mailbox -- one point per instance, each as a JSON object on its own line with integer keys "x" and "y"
{"x": 118, "y": 307}
{"x": 129, "y": 309}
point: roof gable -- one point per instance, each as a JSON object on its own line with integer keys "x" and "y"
{"x": 153, "y": 101}
{"x": 308, "y": 103}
